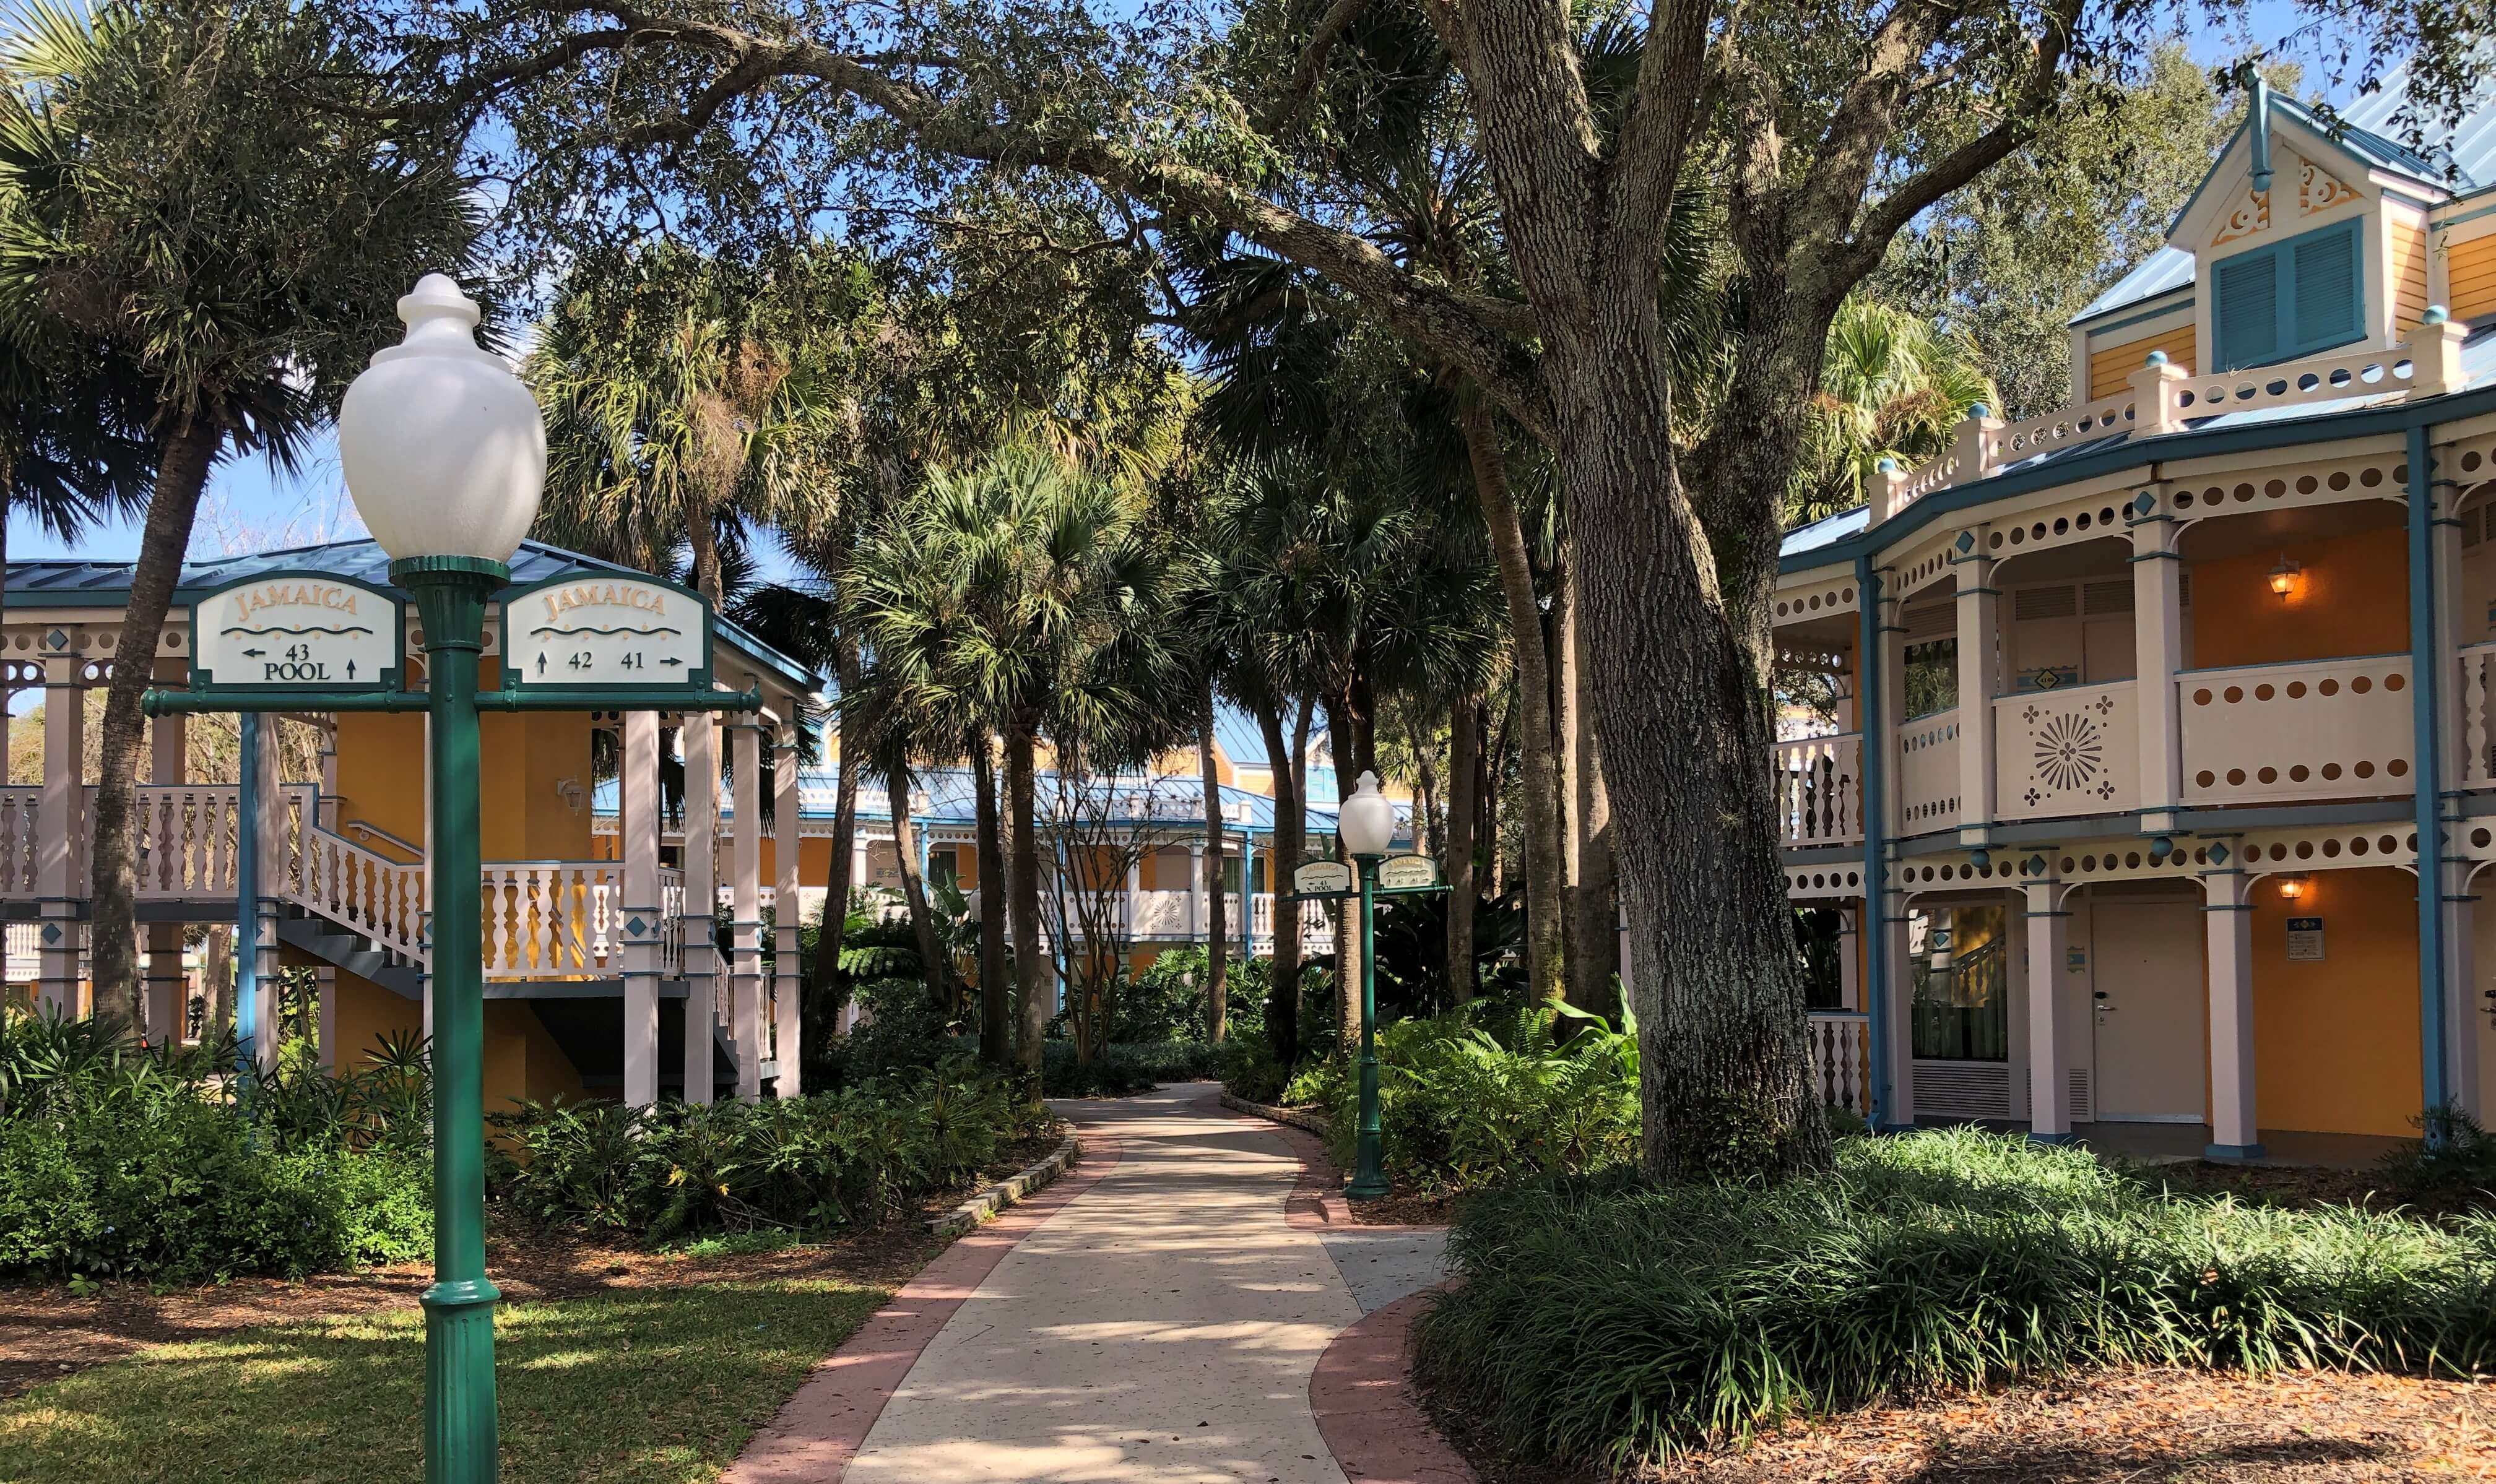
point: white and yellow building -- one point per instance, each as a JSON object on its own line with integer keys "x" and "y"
{"x": 2196, "y": 821}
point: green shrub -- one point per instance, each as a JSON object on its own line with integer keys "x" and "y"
{"x": 1248, "y": 1069}
{"x": 1464, "y": 1108}
{"x": 1599, "y": 1322}
{"x": 1124, "y": 1070}
{"x": 2455, "y": 1157}
{"x": 180, "y": 1191}
{"x": 854, "y": 1157}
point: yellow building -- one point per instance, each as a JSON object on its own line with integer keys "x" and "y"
{"x": 341, "y": 863}
{"x": 2215, "y": 643}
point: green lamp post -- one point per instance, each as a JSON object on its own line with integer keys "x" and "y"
{"x": 1365, "y": 824}
{"x": 445, "y": 454}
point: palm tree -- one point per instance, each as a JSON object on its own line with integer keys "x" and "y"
{"x": 223, "y": 200}
{"x": 73, "y": 444}
{"x": 1894, "y": 387}
{"x": 1024, "y": 595}
{"x": 684, "y": 407}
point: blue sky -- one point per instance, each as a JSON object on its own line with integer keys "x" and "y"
{"x": 251, "y": 507}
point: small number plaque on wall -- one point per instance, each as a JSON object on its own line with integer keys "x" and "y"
{"x": 2305, "y": 940}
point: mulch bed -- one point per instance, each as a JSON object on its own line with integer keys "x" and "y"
{"x": 47, "y": 1331}
{"x": 2125, "y": 1427}
{"x": 1402, "y": 1207}
{"x": 2300, "y": 1188}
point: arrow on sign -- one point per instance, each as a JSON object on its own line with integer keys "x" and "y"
{"x": 671, "y": 661}
{"x": 540, "y": 663}
{"x": 254, "y": 654}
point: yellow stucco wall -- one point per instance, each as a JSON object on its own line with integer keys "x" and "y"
{"x": 2110, "y": 369}
{"x": 2469, "y": 274}
{"x": 2409, "y": 275}
{"x": 365, "y": 1013}
{"x": 2336, "y": 1043}
{"x": 381, "y": 777}
{"x": 2354, "y": 600}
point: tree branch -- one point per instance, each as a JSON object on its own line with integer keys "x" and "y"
{"x": 1337, "y": 19}
{"x": 1646, "y": 167}
{"x": 1478, "y": 332}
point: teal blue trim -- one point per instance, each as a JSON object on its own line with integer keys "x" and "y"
{"x": 2288, "y": 299}
{"x": 2235, "y": 1153}
{"x": 2134, "y": 452}
{"x": 2159, "y": 313}
{"x": 247, "y": 896}
{"x": 2426, "y": 673}
{"x": 1869, "y": 725}
{"x": 2259, "y": 123}
{"x": 2439, "y": 224}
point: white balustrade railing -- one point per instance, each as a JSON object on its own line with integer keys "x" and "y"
{"x": 1928, "y": 773}
{"x": 19, "y": 832}
{"x": 2320, "y": 728}
{"x": 187, "y": 835}
{"x": 2476, "y": 700}
{"x": 1819, "y": 786}
{"x": 1841, "y": 1059}
{"x": 2067, "y": 753}
{"x": 541, "y": 917}
{"x": 357, "y": 888}
{"x": 1981, "y": 447}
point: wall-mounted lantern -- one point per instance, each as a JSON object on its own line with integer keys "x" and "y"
{"x": 2291, "y": 888}
{"x": 2286, "y": 578}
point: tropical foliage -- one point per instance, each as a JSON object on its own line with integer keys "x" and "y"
{"x": 1601, "y": 1323}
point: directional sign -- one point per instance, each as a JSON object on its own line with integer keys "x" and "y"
{"x": 296, "y": 631}
{"x": 1322, "y": 878}
{"x": 593, "y": 631}
{"x": 1407, "y": 873}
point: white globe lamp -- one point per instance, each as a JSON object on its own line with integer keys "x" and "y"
{"x": 1367, "y": 822}
{"x": 444, "y": 449}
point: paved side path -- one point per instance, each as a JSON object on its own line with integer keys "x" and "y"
{"x": 1162, "y": 1327}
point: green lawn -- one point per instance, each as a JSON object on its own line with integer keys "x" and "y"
{"x": 639, "y": 1387}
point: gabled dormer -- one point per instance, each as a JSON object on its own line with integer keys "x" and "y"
{"x": 2305, "y": 237}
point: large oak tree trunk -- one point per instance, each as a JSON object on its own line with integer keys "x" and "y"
{"x": 183, "y": 472}
{"x": 1679, "y": 683}
{"x": 1464, "y": 765}
{"x": 1022, "y": 886}
{"x": 1539, "y": 797}
{"x": 996, "y": 1001}
{"x": 914, "y": 889}
{"x": 1283, "y": 988}
{"x": 1217, "y": 947}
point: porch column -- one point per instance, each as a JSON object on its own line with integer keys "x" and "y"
{"x": 2050, "y": 1088}
{"x": 168, "y": 737}
{"x": 641, "y": 916}
{"x": 1884, "y": 705}
{"x": 702, "y": 900}
{"x": 745, "y": 985}
{"x": 2158, "y": 653}
{"x": 274, "y": 854}
{"x": 1977, "y": 680}
{"x": 2460, "y": 981}
{"x": 61, "y": 895}
{"x": 2227, "y": 916}
{"x": 1199, "y": 917}
{"x": 788, "y": 907}
{"x": 1896, "y": 1043}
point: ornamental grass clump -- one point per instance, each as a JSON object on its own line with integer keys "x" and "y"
{"x": 1599, "y": 1321}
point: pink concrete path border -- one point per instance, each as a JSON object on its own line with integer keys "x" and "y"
{"x": 820, "y": 1429}
{"x": 1361, "y": 1394}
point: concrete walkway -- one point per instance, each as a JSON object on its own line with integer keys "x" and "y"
{"x": 1161, "y": 1326}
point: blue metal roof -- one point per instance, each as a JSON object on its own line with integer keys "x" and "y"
{"x": 2163, "y": 271}
{"x": 944, "y": 796}
{"x": 69, "y": 582}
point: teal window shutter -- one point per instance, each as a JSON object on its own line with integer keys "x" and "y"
{"x": 2328, "y": 297}
{"x": 2291, "y": 299}
{"x": 2246, "y": 309}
